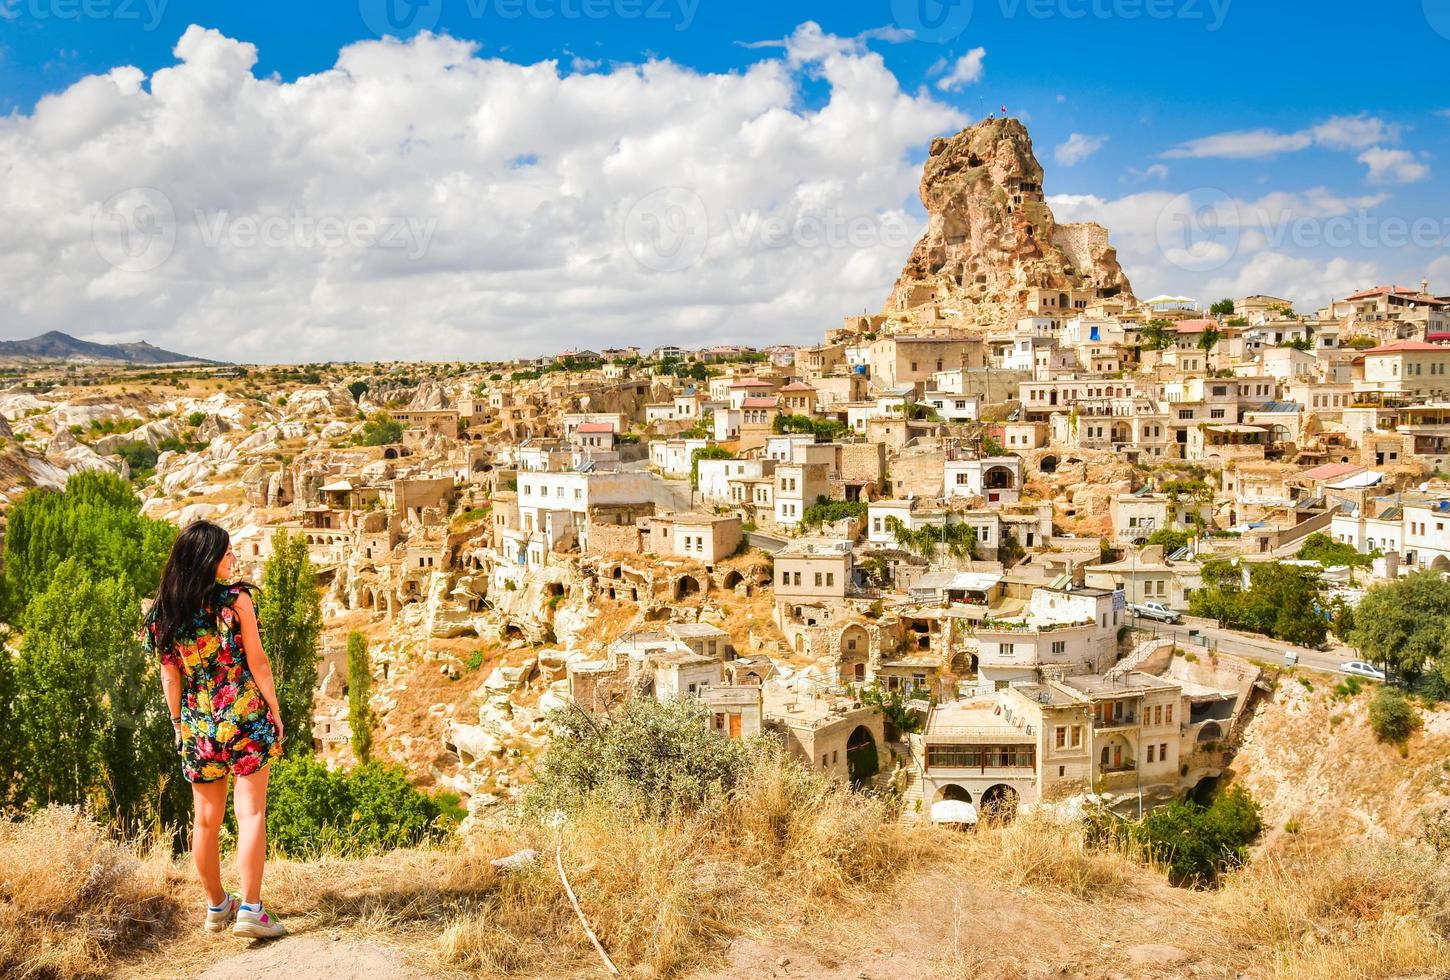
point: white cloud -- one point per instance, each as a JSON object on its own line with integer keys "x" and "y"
{"x": 1393, "y": 166}
{"x": 1079, "y": 147}
{"x": 967, "y": 70}
{"x": 529, "y": 239}
{"x": 1310, "y": 245}
{"x": 1336, "y": 133}
{"x": 1154, "y": 171}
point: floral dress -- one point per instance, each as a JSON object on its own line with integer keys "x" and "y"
{"x": 226, "y": 726}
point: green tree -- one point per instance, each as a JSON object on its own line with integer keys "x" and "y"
{"x": 359, "y": 388}
{"x": 825, "y": 511}
{"x": 96, "y": 519}
{"x": 1169, "y": 539}
{"x": 359, "y": 689}
{"x": 1209, "y": 338}
{"x": 290, "y": 611}
{"x": 706, "y": 452}
{"x": 1222, "y": 308}
{"x": 1196, "y": 843}
{"x": 1281, "y": 601}
{"x": 58, "y": 678}
{"x": 1322, "y": 548}
{"x": 1157, "y": 335}
{"x": 380, "y": 430}
{"x": 1405, "y": 625}
{"x": 654, "y": 756}
{"x": 1391, "y": 716}
{"x": 313, "y": 810}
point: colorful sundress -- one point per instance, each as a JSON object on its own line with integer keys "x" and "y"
{"x": 225, "y": 723}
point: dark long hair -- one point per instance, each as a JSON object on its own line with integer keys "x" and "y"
{"x": 188, "y": 582}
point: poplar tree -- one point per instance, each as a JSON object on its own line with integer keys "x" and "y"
{"x": 290, "y": 612}
{"x": 359, "y": 689}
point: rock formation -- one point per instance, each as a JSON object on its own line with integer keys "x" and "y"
{"x": 991, "y": 237}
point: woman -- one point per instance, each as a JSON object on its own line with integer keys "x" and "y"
{"x": 218, "y": 686}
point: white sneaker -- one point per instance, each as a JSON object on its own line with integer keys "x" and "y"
{"x": 257, "y": 925}
{"x": 217, "y": 920}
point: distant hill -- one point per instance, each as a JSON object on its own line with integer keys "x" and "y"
{"x": 57, "y": 346}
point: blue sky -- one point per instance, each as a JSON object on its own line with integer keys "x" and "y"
{"x": 1345, "y": 112}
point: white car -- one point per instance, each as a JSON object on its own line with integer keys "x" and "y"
{"x": 1361, "y": 669}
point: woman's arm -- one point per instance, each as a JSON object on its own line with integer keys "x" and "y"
{"x": 171, "y": 687}
{"x": 257, "y": 661}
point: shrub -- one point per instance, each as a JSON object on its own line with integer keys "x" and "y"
{"x": 474, "y": 661}
{"x": 1194, "y": 843}
{"x": 1391, "y": 716}
{"x": 195, "y": 419}
{"x": 656, "y": 757}
{"x": 374, "y": 808}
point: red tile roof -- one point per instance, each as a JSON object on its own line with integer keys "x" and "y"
{"x": 797, "y": 386}
{"x": 1195, "y": 326}
{"x": 758, "y": 403}
{"x": 595, "y": 427}
{"x": 1407, "y": 347}
{"x": 751, "y": 383}
{"x": 1331, "y": 471}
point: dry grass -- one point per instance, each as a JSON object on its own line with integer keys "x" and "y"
{"x": 1355, "y": 911}
{"x": 785, "y": 849}
{"x": 1041, "y": 852}
{"x": 71, "y": 900}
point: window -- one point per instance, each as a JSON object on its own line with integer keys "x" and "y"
{"x": 831, "y": 580}
{"x": 1076, "y": 736}
{"x": 1061, "y": 737}
{"x": 1007, "y": 649}
{"x": 818, "y": 580}
{"x": 1168, "y": 714}
{"x": 1185, "y": 413}
{"x": 1150, "y": 754}
{"x": 1059, "y": 646}
{"x": 1163, "y": 752}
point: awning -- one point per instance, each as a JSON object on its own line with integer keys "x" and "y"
{"x": 953, "y": 811}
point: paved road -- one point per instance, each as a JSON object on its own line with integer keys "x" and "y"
{"x": 1252, "y": 644}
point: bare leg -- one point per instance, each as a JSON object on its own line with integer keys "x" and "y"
{"x": 250, "y": 802}
{"x": 209, "y": 801}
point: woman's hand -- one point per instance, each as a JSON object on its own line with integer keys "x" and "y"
{"x": 176, "y": 736}
{"x": 277, "y": 724}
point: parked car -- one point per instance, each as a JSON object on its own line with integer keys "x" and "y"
{"x": 1155, "y": 610}
{"x": 1361, "y": 669}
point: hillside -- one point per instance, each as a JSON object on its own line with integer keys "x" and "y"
{"x": 788, "y": 881}
{"x": 57, "y": 346}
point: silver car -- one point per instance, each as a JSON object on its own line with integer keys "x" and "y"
{"x": 1361, "y": 669}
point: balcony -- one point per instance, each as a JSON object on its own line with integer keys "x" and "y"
{"x": 1128, "y": 720}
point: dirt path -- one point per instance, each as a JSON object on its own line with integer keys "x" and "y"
{"x": 307, "y": 956}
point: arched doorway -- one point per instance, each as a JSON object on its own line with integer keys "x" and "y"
{"x": 686, "y": 586}
{"x": 997, "y": 478}
{"x": 951, "y": 791}
{"x": 1210, "y": 732}
{"x": 861, "y": 761}
{"x": 1049, "y": 464}
{"x": 999, "y": 803}
{"x": 1440, "y": 564}
{"x": 732, "y": 579}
